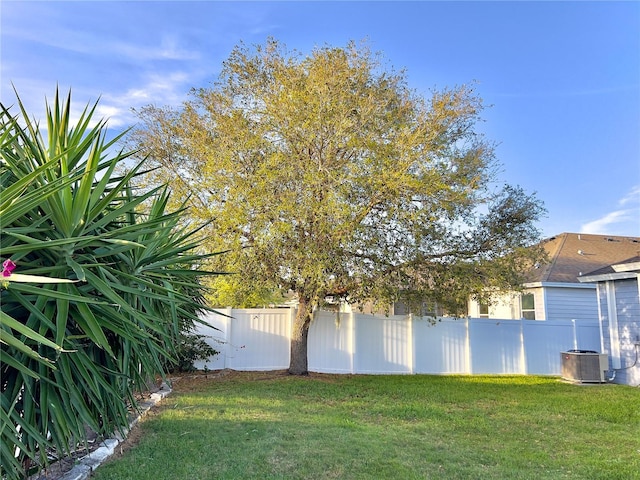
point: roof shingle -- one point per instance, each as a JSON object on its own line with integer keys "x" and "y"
{"x": 572, "y": 255}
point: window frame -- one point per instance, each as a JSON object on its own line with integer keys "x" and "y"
{"x": 528, "y": 312}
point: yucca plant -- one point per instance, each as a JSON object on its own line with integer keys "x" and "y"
{"x": 75, "y": 352}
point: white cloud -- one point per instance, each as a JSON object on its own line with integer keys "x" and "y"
{"x": 622, "y": 221}
{"x": 67, "y": 34}
{"x": 632, "y": 197}
{"x": 601, "y": 225}
{"x": 168, "y": 89}
{"x": 114, "y": 115}
{"x": 167, "y": 50}
{"x": 162, "y": 90}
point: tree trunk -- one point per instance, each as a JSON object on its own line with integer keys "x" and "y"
{"x": 298, "y": 364}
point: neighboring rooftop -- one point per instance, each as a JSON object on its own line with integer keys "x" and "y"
{"x": 630, "y": 264}
{"x": 573, "y": 255}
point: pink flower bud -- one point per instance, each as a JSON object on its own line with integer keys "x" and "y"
{"x": 7, "y": 267}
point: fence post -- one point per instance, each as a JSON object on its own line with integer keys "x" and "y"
{"x": 293, "y": 311}
{"x": 352, "y": 340}
{"x": 227, "y": 341}
{"x": 469, "y": 360}
{"x": 412, "y": 344}
{"x": 523, "y": 352}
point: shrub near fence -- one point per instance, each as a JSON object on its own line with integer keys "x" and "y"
{"x": 258, "y": 339}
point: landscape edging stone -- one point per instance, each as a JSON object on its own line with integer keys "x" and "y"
{"x": 87, "y": 464}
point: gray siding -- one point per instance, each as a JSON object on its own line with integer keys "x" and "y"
{"x": 565, "y": 303}
{"x": 604, "y": 319}
{"x": 628, "y": 309}
{"x": 627, "y": 299}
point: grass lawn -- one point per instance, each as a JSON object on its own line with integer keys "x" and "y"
{"x": 275, "y": 426}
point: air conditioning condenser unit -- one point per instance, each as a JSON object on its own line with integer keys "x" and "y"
{"x": 584, "y": 366}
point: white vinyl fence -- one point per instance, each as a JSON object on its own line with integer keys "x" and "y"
{"x": 258, "y": 339}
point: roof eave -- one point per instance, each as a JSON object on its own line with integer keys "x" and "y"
{"x": 626, "y": 267}
{"x": 610, "y": 276}
{"x": 559, "y": 284}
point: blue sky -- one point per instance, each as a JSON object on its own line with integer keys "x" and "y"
{"x": 562, "y": 78}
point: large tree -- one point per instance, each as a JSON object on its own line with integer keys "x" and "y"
{"x": 326, "y": 175}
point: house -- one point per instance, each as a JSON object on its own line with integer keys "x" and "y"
{"x": 618, "y": 294}
{"x": 555, "y": 291}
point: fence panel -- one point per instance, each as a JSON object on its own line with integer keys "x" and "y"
{"x": 441, "y": 347}
{"x": 216, "y": 337}
{"x": 588, "y": 336}
{"x": 543, "y": 345}
{"x": 496, "y": 346}
{"x": 543, "y": 342}
{"x": 259, "y": 339}
{"x": 382, "y": 344}
{"x": 330, "y": 347}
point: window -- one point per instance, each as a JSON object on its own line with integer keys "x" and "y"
{"x": 483, "y": 310}
{"x": 528, "y": 306}
{"x": 427, "y": 309}
{"x": 400, "y": 308}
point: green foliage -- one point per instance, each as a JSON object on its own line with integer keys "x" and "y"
{"x": 190, "y": 348}
{"x": 232, "y": 290}
{"x": 326, "y": 175}
{"x": 73, "y": 354}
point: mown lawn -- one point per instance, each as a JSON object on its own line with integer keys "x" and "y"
{"x": 275, "y": 426}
